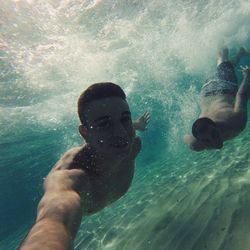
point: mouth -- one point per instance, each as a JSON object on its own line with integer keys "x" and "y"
{"x": 119, "y": 144}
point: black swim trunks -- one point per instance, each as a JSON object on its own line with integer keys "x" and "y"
{"x": 224, "y": 81}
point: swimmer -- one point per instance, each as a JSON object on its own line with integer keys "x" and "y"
{"x": 90, "y": 177}
{"x": 223, "y": 105}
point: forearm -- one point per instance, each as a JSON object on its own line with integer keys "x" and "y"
{"x": 243, "y": 95}
{"x": 48, "y": 234}
{"x": 136, "y": 125}
{"x": 58, "y": 219}
{"x": 244, "y": 88}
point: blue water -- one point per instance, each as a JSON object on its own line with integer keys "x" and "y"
{"x": 159, "y": 52}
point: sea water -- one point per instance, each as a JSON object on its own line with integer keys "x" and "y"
{"x": 159, "y": 52}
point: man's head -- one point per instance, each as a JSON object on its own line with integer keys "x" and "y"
{"x": 106, "y": 119}
{"x": 207, "y": 133}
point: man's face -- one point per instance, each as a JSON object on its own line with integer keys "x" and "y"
{"x": 110, "y": 130}
{"x": 211, "y": 138}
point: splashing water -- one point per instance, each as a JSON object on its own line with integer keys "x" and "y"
{"x": 159, "y": 52}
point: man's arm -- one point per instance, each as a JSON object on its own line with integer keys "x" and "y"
{"x": 142, "y": 122}
{"x": 59, "y": 212}
{"x": 243, "y": 93}
{"x": 193, "y": 143}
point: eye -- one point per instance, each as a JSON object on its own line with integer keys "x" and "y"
{"x": 104, "y": 124}
{"x": 125, "y": 119}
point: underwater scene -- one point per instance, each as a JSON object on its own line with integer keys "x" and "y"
{"x": 160, "y": 53}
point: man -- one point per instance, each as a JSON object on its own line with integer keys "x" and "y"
{"x": 90, "y": 177}
{"x": 223, "y": 105}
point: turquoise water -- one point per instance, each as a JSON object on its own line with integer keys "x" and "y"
{"x": 159, "y": 52}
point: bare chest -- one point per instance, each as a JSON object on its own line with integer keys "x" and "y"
{"x": 109, "y": 188}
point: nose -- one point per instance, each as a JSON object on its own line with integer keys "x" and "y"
{"x": 119, "y": 130}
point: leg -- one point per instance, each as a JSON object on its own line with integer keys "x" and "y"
{"x": 241, "y": 53}
{"x": 225, "y": 68}
{"x": 222, "y": 55}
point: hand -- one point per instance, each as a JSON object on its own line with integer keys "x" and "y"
{"x": 142, "y": 122}
{"x": 245, "y": 70}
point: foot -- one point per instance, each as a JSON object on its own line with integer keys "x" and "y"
{"x": 223, "y": 55}
{"x": 243, "y": 52}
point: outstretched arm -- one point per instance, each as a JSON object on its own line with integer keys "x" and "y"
{"x": 59, "y": 213}
{"x": 142, "y": 122}
{"x": 243, "y": 93}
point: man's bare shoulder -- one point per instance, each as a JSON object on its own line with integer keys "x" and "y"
{"x": 69, "y": 171}
{"x": 73, "y": 158}
{"x": 231, "y": 121}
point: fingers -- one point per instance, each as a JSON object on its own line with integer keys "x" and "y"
{"x": 146, "y": 117}
{"x": 245, "y": 70}
{"x": 245, "y": 67}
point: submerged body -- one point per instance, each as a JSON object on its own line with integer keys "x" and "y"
{"x": 223, "y": 106}
{"x": 100, "y": 185}
{"x": 221, "y": 109}
{"x": 88, "y": 178}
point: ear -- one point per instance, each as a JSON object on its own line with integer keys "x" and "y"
{"x": 83, "y": 131}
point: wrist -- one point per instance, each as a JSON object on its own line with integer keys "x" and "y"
{"x": 247, "y": 75}
{"x": 56, "y": 234}
{"x": 135, "y": 125}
